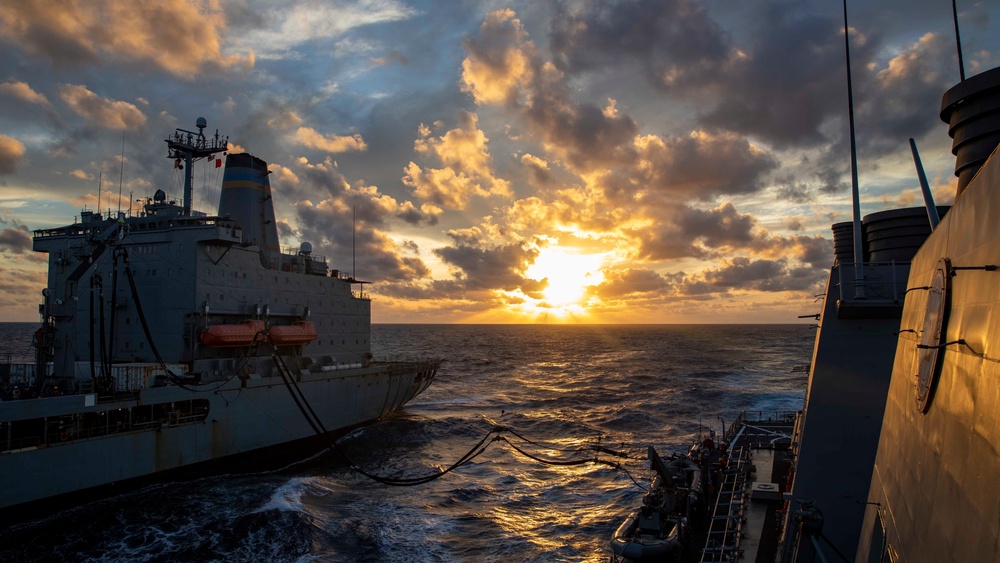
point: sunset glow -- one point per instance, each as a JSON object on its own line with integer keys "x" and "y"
{"x": 569, "y": 275}
{"x": 455, "y": 158}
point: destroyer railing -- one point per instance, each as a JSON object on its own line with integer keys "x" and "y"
{"x": 883, "y": 282}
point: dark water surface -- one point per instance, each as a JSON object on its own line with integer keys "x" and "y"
{"x": 566, "y": 386}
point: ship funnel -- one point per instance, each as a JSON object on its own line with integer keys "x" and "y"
{"x": 246, "y": 197}
{"x": 972, "y": 111}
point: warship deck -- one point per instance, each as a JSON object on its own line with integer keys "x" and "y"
{"x": 744, "y": 522}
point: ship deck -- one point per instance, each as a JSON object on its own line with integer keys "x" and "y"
{"x": 744, "y": 521}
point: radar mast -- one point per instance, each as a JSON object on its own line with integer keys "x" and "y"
{"x": 190, "y": 146}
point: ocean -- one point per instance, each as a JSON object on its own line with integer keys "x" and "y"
{"x": 563, "y": 387}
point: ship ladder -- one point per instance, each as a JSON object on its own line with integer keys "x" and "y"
{"x": 725, "y": 529}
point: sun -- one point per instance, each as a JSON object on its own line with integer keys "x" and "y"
{"x": 569, "y": 273}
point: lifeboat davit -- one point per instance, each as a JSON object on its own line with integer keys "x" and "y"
{"x": 231, "y": 336}
{"x": 299, "y": 332}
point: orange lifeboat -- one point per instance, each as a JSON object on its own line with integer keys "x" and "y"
{"x": 299, "y": 332}
{"x": 231, "y": 336}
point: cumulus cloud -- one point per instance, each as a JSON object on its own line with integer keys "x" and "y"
{"x": 179, "y": 37}
{"x": 467, "y": 172}
{"x": 102, "y": 112}
{"x": 503, "y": 66}
{"x": 427, "y": 213}
{"x": 625, "y": 282}
{"x": 24, "y": 92}
{"x": 499, "y": 61}
{"x": 14, "y": 237}
{"x": 11, "y": 153}
{"x": 488, "y": 267}
{"x": 309, "y": 137}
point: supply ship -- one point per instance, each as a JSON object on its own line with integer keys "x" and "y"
{"x": 175, "y": 340}
{"x": 896, "y": 452}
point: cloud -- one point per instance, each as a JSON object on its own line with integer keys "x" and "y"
{"x": 467, "y": 172}
{"x": 499, "y": 61}
{"x": 329, "y": 226}
{"x": 594, "y": 139}
{"x": 674, "y": 41}
{"x": 393, "y": 56}
{"x": 625, "y": 282}
{"x": 11, "y": 153}
{"x": 427, "y": 213}
{"x": 102, "y": 112}
{"x": 907, "y": 89}
{"x": 309, "y": 137}
{"x": 15, "y": 240}
{"x": 22, "y": 91}
{"x": 488, "y": 267}
{"x": 15, "y": 236}
{"x": 179, "y": 37}
{"x": 702, "y": 165}
{"x": 276, "y": 30}
{"x": 538, "y": 169}
{"x": 745, "y": 274}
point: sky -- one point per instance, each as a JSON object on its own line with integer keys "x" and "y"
{"x": 646, "y": 161}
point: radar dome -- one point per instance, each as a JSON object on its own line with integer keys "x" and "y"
{"x": 306, "y": 249}
{"x": 201, "y": 123}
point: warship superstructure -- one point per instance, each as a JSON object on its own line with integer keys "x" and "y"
{"x": 171, "y": 338}
{"x": 895, "y": 454}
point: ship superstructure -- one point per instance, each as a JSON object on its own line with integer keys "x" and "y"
{"x": 167, "y": 340}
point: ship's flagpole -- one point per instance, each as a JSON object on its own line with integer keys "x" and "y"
{"x": 859, "y": 274}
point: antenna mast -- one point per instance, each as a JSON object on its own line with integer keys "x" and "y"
{"x": 190, "y": 146}
{"x": 958, "y": 40}
{"x": 121, "y": 175}
{"x": 859, "y": 274}
{"x": 354, "y": 243}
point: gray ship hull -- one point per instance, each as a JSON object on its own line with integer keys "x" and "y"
{"x": 238, "y": 419}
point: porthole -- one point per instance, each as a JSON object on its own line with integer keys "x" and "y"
{"x": 929, "y": 349}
